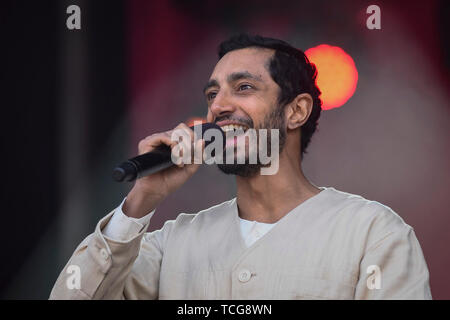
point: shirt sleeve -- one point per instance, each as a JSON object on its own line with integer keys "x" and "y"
{"x": 123, "y": 228}
{"x": 102, "y": 268}
{"x": 394, "y": 268}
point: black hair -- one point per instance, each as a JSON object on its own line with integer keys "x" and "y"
{"x": 290, "y": 69}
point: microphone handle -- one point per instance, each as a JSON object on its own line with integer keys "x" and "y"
{"x": 161, "y": 159}
{"x": 132, "y": 169}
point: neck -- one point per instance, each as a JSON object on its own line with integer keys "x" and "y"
{"x": 268, "y": 198}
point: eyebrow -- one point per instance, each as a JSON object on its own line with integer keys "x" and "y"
{"x": 235, "y": 76}
{"x": 209, "y": 84}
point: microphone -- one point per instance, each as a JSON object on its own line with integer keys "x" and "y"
{"x": 155, "y": 160}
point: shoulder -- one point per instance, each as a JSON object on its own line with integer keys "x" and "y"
{"x": 360, "y": 207}
{"x": 361, "y": 215}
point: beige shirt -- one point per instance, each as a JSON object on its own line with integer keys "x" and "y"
{"x": 122, "y": 228}
{"x": 325, "y": 248}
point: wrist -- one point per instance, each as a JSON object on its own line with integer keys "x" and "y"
{"x": 139, "y": 204}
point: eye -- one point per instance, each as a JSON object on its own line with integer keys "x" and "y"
{"x": 243, "y": 87}
{"x": 211, "y": 95}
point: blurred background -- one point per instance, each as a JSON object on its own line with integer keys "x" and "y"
{"x": 76, "y": 102}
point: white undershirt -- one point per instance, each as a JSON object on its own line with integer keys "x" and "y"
{"x": 251, "y": 231}
{"x": 124, "y": 228}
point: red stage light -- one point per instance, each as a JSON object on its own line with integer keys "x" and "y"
{"x": 337, "y": 75}
{"x": 190, "y": 122}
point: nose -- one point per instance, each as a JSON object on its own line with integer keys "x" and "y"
{"x": 221, "y": 105}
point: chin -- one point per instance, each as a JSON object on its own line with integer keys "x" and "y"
{"x": 241, "y": 170}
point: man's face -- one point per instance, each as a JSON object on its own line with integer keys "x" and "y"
{"x": 242, "y": 94}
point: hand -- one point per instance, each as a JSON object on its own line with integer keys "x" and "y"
{"x": 151, "y": 190}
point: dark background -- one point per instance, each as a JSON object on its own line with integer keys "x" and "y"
{"x": 76, "y": 102}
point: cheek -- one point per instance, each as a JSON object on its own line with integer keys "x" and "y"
{"x": 259, "y": 111}
{"x": 209, "y": 116}
{"x": 265, "y": 102}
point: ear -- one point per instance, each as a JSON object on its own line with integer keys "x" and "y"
{"x": 298, "y": 111}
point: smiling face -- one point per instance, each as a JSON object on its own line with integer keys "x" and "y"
{"x": 241, "y": 94}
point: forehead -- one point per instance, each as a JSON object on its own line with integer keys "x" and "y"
{"x": 252, "y": 60}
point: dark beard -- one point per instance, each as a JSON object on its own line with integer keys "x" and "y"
{"x": 274, "y": 120}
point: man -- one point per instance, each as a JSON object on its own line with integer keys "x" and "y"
{"x": 280, "y": 238}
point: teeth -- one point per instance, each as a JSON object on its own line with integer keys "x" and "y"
{"x": 232, "y": 127}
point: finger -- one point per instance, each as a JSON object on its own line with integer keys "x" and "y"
{"x": 188, "y": 130}
{"x": 151, "y": 142}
